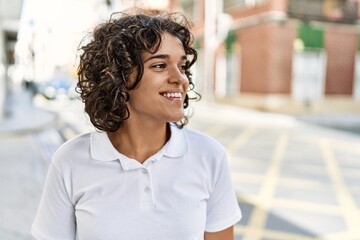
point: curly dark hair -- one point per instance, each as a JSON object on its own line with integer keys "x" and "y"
{"x": 114, "y": 53}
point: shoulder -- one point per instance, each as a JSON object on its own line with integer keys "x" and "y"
{"x": 72, "y": 149}
{"x": 200, "y": 141}
{"x": 75, "y": 144}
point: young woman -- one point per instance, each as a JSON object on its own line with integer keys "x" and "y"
{"x": 142, "y": 175}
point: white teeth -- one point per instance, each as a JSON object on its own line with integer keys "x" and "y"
{"x": 172, "y": 95}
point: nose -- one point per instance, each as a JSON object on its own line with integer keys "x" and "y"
{"x": 177, "y": 76}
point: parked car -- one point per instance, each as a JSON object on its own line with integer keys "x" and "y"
{"x": 59, "y": 86}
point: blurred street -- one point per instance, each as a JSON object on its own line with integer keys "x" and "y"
{"x": 294, "y": 181}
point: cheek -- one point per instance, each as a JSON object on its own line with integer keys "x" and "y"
{"x": 142, "y": 93}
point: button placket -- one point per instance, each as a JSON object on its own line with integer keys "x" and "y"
{"x": 147, "y": 192}
{"x": 147, "y": 189}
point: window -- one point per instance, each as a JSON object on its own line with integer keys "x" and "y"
{"x": 344, "y": 11}
{"x": 190, "y": 8}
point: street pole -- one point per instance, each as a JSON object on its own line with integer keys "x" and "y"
{"x": 3, "y": 87}
{"x": 217, "y": 25}
{"x": 210, "y": 43}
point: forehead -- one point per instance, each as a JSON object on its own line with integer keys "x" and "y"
{"x": 170, "y": 45}
{"x": 169, "y": 42}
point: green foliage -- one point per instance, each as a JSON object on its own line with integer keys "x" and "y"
{"x": 311, "y": 36}
{"x": 230, "y": 41}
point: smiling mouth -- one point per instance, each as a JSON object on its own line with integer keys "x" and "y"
{"x": 176, "y": 95}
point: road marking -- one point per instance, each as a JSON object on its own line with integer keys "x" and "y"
{"x": 240, "y": 139}
{"x": 272, "y": 234}
{"x": 346, "y": 145}
{"x": 260, "y": 213}
{"x": 307, "y": 206}
{"x": 346, "y": 202}
{"x": 247, "y": 177}
{"x": 301, "y": 183}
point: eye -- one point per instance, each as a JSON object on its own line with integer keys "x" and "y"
{"x": 184, "y": 66}
{"x": 159, "y": 66}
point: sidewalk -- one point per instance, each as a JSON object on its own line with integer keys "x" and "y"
{"x": 22, "y": 117}
{"x": 27, "y": 139}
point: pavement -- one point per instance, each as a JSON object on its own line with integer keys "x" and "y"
{"x": 21, "y": 115}
{"x": 27, "y": 139}
{"x": 294, "y": 180}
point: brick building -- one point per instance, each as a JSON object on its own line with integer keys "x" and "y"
{"x": 278, "y": 53}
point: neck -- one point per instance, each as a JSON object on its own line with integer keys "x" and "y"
{"x": 140, "y": 141}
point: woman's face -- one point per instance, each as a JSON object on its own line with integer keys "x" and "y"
{"x": 162, "y": 89}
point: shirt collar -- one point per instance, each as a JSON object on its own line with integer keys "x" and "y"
{"x": 102, "y": 149}
{"x": 177, "y": 145}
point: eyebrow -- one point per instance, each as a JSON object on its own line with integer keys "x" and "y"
{"x": 163, "y": 56}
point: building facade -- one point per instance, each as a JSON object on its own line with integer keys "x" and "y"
{"x": 278, "y": 53}
{"x": 9, "y": 23}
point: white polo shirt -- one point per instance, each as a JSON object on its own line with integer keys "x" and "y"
{"x": 93, "y": 192}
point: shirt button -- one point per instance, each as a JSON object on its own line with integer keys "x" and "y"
{"x": 144, "y": 171}
{"x": 147, "y": 190}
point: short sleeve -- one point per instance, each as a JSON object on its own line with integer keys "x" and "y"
{"x": 223, "y": 210}
{"x": 55, "y": 217}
